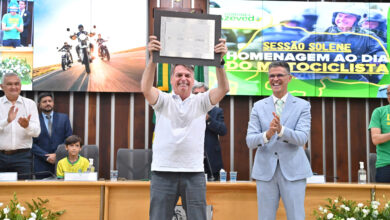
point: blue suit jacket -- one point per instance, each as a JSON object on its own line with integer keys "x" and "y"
{"x": 288, "y": 149}
{"x": 214, "y": 126}
{"x": 45, "y": 144}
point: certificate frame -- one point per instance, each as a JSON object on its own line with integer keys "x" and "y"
{"x": 158, "y": 58}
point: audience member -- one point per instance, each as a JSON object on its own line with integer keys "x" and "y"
{"x": 380, "y": 136}
{"x": 215, "y": 127}
{"x": 55, "y": 128}
{"x": 19, "y": 123}
{"x": 178, "y": 151}
{"x": 73, "y": 163}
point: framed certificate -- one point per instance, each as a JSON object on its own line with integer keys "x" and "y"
{"x": 187, "y": 38}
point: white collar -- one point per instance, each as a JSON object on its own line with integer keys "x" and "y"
{"x": 284, "y": 98}
{"x": 177, "y": 96}
{"x": 5, "y": 99}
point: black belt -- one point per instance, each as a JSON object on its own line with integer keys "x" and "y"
{"x": 10, "y": 152}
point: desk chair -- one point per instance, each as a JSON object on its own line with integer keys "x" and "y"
{"x": 91, "y": 151}
{"x": 134, "y": 164}
{"x": 371, "y": 166}
{"x": 61, "y": 153}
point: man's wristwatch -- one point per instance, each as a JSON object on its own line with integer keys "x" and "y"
{"x": 222, "y": 64}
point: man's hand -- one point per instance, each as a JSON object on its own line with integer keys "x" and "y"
{"x": 272, "y": 129}
{"x": 24, "y": 122}
{"x": 13, "y": 111}
{"x": 277, "y": 124}
{"x": 51, "y": 158}
{"x": 153, "y": 45}
{"x": 274, "y": 126}
{"x": 221, "y": 47}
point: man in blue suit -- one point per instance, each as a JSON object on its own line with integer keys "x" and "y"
{"x": 55, "y": 129}
{"x": 215, "y": 126}
{"x": 279, "y": 127}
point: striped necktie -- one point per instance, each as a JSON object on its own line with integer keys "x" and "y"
{"x": 279, "y": 107}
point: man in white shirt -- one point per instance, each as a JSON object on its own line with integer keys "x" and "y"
{"x": 177, "y": 166}
{"x": 19, "y": 123}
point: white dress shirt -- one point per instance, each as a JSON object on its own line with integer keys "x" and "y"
{"x": 12, "y": 135}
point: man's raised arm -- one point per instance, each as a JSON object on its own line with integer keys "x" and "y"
{"x": 218, "y": 93}
{"x": 150, "y": 92}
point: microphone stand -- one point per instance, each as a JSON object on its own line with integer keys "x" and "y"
{"x": 212, "y": 178}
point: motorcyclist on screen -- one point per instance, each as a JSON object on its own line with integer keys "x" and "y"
{"x": 81, "y": 31}
{"x": 67, "y": 47}
{"x": 100, "y": 40}
{"x": 376, "y": 22}
{"x": 345, "y": 25}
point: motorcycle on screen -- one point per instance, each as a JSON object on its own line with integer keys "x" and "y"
{"x": 103, "y": 51}
{"x": 66, "y": 58}
{"x": 84, "y": 48}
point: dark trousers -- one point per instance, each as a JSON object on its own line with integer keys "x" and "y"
{"x": 18, "y": 162}
{"x": 383, "y": 174}
{"x": 11, "y": 42}
{"x": 165, "y": 189}
{"x": 23, "y": 40}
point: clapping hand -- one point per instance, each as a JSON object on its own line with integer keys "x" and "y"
{"x": 24, "y": 122}
{"x": 13, "y": 111}
{"x": 274, "y": 126}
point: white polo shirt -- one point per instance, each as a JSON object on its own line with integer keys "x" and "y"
{"x": 179, "y": 132}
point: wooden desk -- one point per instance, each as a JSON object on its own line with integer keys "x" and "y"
{"x": 126, "y": 200}
{"x": 130, "y": 199}
{"x": 81, "y": 200}
{"x": 20, "y": 52}
{"x": 382, "y": 193}
{"x": 229, "y": 200}
{"x": 232, "y": 200}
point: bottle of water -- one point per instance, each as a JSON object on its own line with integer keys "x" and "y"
{"x": 362, "y": 174}
{"x": 91, "y": 168}
{"x": 222, "y": 175}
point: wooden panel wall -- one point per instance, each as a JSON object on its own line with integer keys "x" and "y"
{"x": 121, "y": 120}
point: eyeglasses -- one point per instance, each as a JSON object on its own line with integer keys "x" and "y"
{"x": 272, "y": 76}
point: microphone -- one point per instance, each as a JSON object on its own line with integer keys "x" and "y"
{"x": 32, "y": 175}
{"x": 46, "y": 172}
{"x": 332, "y": 177}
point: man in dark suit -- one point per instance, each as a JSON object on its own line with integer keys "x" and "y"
{"x": 55, "y": 129}
{"x": 279, "y": 127}
{"x": 26, "y": 15}
{"x": 215, "y": 126}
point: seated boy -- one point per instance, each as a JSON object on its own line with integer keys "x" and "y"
{"x": 73, "y": 163}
